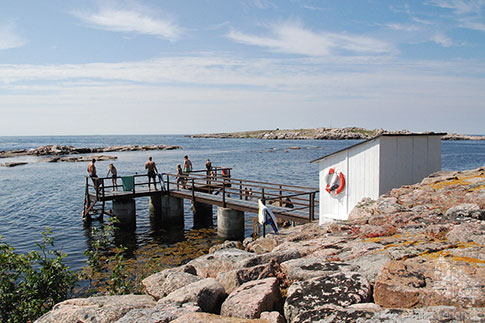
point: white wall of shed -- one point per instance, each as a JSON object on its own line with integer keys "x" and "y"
{"x": 406, "y": 160}
{"x": 360, "y": 166}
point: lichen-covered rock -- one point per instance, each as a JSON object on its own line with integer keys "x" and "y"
{"x": 311, "y": 267}
{"x": 263, "y": 245}
{"x": 163, "y": 312}
{"x": 370, "y": 265}
{"x": 101, "y": 309}
{"x": 333, "y": 314}
{"x": 154, "y": 284}
{"x": 429, "y": 314}
{"x": 208, "y": 294}
{"x": 220, "y": 261}
{"x": 253, "y": 298}
{"x": 228, "y": 244}
{"x": 364, "y": 209}
{"x": 235, "y": 278}
{"x": 273, "y": 317}
{"x": 468, "y": 232}
{"x": 278, "y": 256}
{"x": 341, "y": 289}
{"x": 466, "y": 210}
{"x": 175, "y": 281}
{"x": 419, "y": 282}
{"x": 212, "y": 318}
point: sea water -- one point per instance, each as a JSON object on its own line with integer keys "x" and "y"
{"x": 41, "y": 194}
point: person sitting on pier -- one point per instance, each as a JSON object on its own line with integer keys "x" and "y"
{"x": 92, "y": 173}
{"x": 114, "y": 176}
{"x": 187, "y": 165}
{"x": 152, "y": 171}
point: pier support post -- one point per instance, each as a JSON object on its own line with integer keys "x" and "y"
{"x": 202, "y": 215}
{"x": 172, "y": 211}
{"x": 125, "y": 211}
{"x": 230, "y": 224}
{"x": 155, "y": 206}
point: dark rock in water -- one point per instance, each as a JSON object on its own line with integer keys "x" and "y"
{"x": 78, "y": 158}
{"x": 58, "y": 150}
{"x": 14, "y": 164}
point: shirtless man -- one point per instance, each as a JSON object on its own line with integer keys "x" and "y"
{"x": 152, "y": 170}
{"x": 92, "y": 173}
{"x": 187, "y": 165}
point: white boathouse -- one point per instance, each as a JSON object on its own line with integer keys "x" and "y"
{"x": 372, "y": 168}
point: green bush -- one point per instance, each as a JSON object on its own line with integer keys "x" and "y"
{"x": 30, "y": 284}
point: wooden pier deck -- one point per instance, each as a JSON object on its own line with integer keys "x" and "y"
{"x": 287, "y": 202}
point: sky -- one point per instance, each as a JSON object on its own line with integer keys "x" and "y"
{"x": 194, "y": 66}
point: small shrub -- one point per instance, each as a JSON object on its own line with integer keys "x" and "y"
{"x": 30, "y": 284}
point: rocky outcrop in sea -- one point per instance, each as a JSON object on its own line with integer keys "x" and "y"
{"x": 416, "y": 254}
{"x": 57, "y": 150}
{"x": 59, "y": 153}
{"x": 323, "y": 133}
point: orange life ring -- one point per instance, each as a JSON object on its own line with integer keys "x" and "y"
{"x": 332, "y": 187}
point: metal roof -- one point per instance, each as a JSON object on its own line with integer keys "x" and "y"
{"x": 381, "y": 135}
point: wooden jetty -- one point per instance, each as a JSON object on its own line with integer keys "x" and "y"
{"x": 217, "y": 187}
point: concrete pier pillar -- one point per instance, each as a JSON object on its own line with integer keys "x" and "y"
{"x": 202, "y": 215}
{"x": 125, "y": 211}
{"x": 172, "y": 211}
{"x": 230, "y": 224}
{"x": 155, "y": 206}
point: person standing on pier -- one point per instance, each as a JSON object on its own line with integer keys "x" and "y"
{"x": 187, "y": 165}
{"x": 180, "y": 176}
{"x": 208, "y": 167}
{"x": 152, "y": 171}
{"x": 114, "y": 176}
{"x": 92, "y": 173}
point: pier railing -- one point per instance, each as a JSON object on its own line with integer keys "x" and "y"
{"x": 220, "y": 182}
{"x": 291, "y": 201}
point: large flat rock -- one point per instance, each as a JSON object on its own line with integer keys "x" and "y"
{"x": 102, "y": 309}
{"x": 253, "y": 298}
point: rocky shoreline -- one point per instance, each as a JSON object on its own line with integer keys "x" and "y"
{"x": 59, "y": 153}
{"x": 414, "y": 254}
{"x": 323, "y": 134}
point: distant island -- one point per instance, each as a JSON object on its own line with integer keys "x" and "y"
{"x": 322, "y": 133}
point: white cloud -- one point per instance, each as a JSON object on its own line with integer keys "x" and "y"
{"x": 134, "y": 21}
{"x": 263, "y": 4}
{"x": 9, "y": 38}
{"x": 460, "y": 6}
{"x": 403, "y": 27}
{"x": 472, "y": 24}
{"x": 293, "y": 38}
{"x": 442, "y": 40}
{"x": 469, "y": 14}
